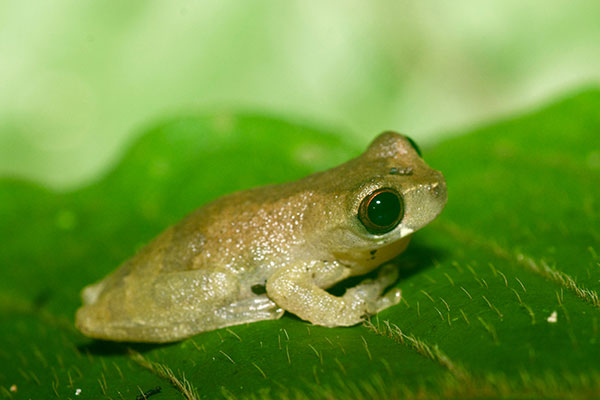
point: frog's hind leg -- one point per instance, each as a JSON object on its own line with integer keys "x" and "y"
{"x": 221, "y": 302}
{"x": 172, "y": 306}
{"x": 251, "y": 309}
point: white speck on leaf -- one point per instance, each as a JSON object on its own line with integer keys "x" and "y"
{"x": 553, "y": 317}
{"x": 77, "y": 392}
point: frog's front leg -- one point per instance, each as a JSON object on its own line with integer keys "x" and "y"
{"x": 300, "y": 289}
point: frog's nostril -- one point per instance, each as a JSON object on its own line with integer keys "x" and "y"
{"x": 434, "y": 189}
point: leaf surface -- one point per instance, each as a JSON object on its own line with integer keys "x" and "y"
{"x": 500, "y": 293}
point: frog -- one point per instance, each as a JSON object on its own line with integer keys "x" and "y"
{"x": 252, "y": 255}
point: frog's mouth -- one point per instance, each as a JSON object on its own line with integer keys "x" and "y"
{"x": 363, "y": 261}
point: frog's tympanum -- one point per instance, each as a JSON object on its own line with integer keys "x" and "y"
{"x": 252, "y": 255}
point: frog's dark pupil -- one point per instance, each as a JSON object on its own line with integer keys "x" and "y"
{"x": 384, "y": 209}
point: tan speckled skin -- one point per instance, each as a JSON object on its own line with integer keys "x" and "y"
{"x": 295, "y": 239}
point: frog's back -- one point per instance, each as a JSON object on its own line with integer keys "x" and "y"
{"x": 225, "y": 233}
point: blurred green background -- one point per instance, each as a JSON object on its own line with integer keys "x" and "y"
{"x": 79, "y": 79}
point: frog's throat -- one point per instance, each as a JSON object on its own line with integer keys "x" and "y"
{"x": 365, "y": 260}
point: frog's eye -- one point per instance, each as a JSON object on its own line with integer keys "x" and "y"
{"x": 414, "y": 146}
{"x": 381, "y": 211}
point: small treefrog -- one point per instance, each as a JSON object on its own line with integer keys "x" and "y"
{"x": 251, "y": 255}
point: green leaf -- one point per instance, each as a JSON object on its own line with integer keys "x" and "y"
{"x": 500, "y": 293}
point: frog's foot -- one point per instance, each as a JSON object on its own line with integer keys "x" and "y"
{"x": 295, "y": 290}
{"x": 252, "y": 309}
{"x": 369, "y": 291}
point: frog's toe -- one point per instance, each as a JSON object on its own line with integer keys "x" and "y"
{"x": 372, "y": 288}
{"x": 391, "y": 298}
{"x": 388, "y": 274}
{"x": 252, "y": 309}
{"x": 370, "y": 291}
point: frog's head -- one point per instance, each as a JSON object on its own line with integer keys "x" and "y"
{"x": 390, "y": 192}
